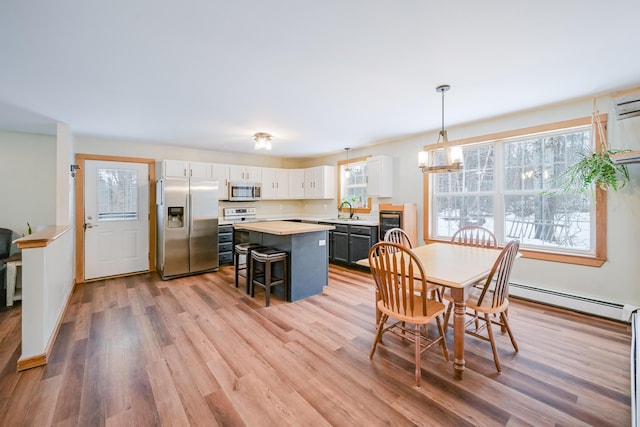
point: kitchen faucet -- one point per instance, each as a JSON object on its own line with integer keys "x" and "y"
{"x": 350, "y": 209}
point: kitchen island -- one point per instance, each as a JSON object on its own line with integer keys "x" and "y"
{"x": 306, "y": 244}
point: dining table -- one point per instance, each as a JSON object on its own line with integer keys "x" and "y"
{"x": 457, "y": 267}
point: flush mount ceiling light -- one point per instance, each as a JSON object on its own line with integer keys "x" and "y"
{"x": 453, "y": 155}
{"x": 263, "y": 141}
{"x": 347, "y": 169}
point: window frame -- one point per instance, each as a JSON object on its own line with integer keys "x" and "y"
{"x": 594, "y": 260}
{"x": 341, "y": 175}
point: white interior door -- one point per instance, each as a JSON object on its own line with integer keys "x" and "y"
{"x": 116, "y": 218}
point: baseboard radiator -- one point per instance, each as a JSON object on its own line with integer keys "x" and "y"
{"x": 573, "y": 302}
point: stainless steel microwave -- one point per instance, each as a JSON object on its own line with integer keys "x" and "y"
{"x": 241, "y": 191}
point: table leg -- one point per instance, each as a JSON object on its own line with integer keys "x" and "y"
{"x": 459, "y": 309}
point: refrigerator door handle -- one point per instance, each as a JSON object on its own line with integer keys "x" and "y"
{"x": 189, "y": 205}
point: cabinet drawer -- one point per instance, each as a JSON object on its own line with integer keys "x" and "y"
{"x": 228, "y": 228}
{"x": 225, "y": 247}
{"x": 341, "y": 228}
{"x": 363, "y": 230}
{"x": 225, "y": 237}
{"x": 225, "y": 258}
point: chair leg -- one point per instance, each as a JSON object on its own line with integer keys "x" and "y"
{"x": 503, "y": 328}
{"x": 496, "y": 359}
{"x": 418, "y": 353}
{"x": 248, "y": 272}
{"x": 506, "y": 326}
{"x": 236, "y": 259}
{"x": 378, "y": 338}
{"x": 251, "y": 289}
{"x": 447, "y": 315}
{"x": 443, "y": 341}
{"x": 267, "y": 282}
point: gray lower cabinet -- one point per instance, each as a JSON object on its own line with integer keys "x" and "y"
{"x": 350, "y": 243}
{"x": 341, "y": 245}
{"x": 225, "y": 244}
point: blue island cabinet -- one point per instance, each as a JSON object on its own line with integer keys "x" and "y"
{"x": 307, "y": 246}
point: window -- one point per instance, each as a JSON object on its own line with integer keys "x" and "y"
{"x": 508, "y": 186}
{"x": 117, "y": 194}
{"x": 354, "y": 188}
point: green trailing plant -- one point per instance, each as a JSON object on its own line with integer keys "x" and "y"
{"x": 595, "y": 168}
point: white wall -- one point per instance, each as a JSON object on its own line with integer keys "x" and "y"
{"x": 28, "y": 180}
{"x": 47, "y": 282}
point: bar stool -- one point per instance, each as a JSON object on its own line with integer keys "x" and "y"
{"x": 243, "y": 249}
{"x": 267, "y": 257}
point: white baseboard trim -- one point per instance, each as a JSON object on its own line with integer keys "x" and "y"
{"x": 573, "y": 302}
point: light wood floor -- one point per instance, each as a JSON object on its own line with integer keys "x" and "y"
{"x": 196, "y": 351}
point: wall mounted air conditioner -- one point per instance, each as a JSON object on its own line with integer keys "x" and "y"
{"x": 627, "y": 104}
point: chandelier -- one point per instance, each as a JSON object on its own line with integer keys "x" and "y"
{"x": 452, "y": 155}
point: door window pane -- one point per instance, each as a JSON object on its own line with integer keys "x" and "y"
{"x": 117, "y": 194}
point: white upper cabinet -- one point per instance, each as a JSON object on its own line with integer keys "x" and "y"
{"x": 275, "y": 183}
{"x": 380, "y": 176}
{"x": 319, "y": 182}
{"x": 244, "y": 173}
{"x": 220, "y": 172}
{"x": 312, "y": 183}
{"x": 200, "y": 170}
{"x": 296, "y": 183}
{"x": 183, "y": 168}
{"x": 177, "y": 168}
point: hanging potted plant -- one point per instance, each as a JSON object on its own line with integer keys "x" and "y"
{"x": 595, "y": 168}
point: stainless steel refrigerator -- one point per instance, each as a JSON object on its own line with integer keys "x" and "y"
{"x": 187, "y": 226}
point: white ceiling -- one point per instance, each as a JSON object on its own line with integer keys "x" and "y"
{"x": 318, "y": 75}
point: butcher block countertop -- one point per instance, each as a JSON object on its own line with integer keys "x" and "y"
{"x": 283, "y": 228}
